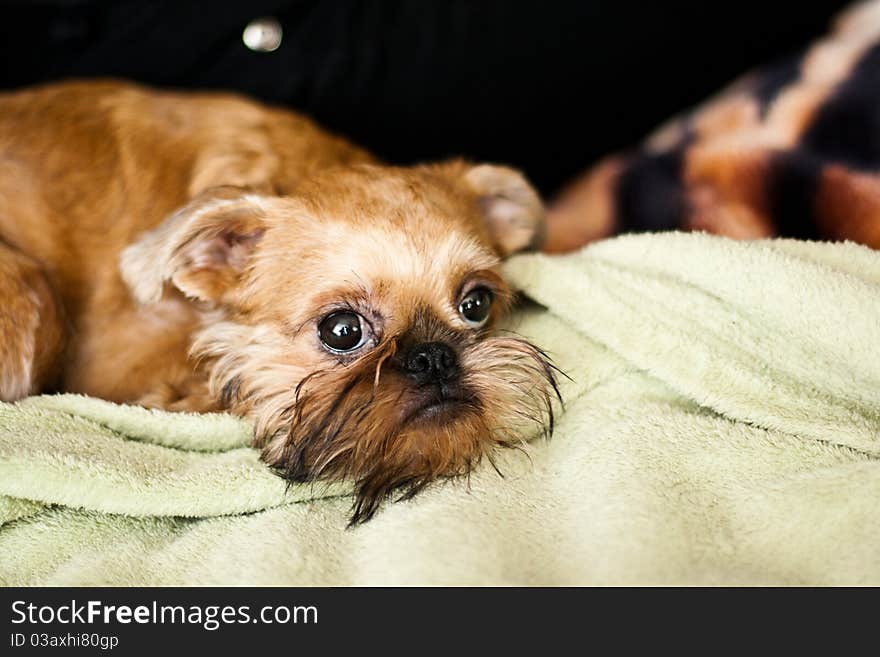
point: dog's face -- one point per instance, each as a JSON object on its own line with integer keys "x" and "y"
{"x": 353, "y": 321}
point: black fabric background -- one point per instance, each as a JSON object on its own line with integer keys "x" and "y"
{"x": 547, "y": 86}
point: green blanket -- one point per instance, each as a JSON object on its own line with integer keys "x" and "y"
{"x": 722, "y": 427}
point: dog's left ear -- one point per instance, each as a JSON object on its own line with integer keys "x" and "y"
{"x": 202, "y": 249}
{"x": 513, "y": 213}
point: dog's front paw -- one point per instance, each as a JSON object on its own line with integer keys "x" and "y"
{"x": 31, "y": 327}
{"x": 189, "y": 396}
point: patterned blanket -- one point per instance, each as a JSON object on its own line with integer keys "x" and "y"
{"x": 791, "y": 150}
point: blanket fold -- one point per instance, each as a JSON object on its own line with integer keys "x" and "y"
{"x": 781, "y": 344}
{"x": 722, "y": 426}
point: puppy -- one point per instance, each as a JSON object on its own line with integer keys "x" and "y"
{"x": 201, "y": 252}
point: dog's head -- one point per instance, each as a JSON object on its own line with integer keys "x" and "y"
{"x": 353, "y": 320}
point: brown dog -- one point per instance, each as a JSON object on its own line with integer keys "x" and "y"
{"x": 202, "y": 252}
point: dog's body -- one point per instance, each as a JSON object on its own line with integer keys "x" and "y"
{"x": 203, "y": 252}
{"x": 84, "y": 170}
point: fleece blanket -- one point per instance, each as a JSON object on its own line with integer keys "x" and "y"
{"x": 790, "y": 150}
{"x": 722, "y": 426}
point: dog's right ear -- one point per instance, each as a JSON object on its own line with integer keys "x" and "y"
{"x": 202, "y": 249}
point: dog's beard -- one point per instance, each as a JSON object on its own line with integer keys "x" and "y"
{"x": 367, "y": 424}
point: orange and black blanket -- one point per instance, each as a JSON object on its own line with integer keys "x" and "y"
{"x": 791, "y": 150}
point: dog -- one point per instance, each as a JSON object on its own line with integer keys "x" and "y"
{"x": 203, "y": 252}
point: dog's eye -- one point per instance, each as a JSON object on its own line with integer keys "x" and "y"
{"x": 474, "y": 308}
{"x": 343, "y": 331}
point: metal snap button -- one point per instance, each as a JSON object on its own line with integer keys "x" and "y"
{"x": 262, "y": 34}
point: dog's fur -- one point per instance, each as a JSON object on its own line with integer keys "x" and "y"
{"x": 180, "y": 251}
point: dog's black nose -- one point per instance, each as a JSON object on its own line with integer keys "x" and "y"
{"x": 430, "y": 362}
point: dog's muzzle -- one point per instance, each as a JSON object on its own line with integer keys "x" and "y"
{"x": 431, "y": 362}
